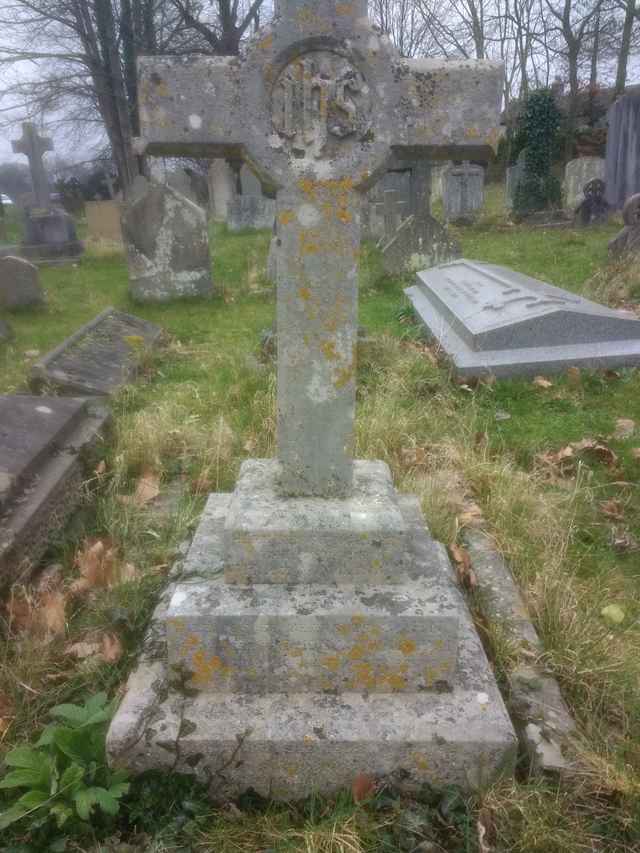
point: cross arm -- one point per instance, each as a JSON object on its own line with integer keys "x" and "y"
{"x": 450, "y": 110}
{"x": 190, "y": 106}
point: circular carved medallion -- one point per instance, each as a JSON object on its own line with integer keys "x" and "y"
{"x": 320, "y": 100}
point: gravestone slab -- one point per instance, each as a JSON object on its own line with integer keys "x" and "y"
{"x": 50, "y": 234}
{"x": 43, "y": 442}
{"x": 100, "y": 357}
{"x": 250, "y": 212}
{"x": 167, "y": 242}
{"x": 628, "y": 240}
{"x": 19, "y": 284}
{"x": 419, "y": 243}
{"x": 463, "y": 193}
{"x": 622, "y": 171}
{"x": 515, "y": 174}
{"x": 104, "y": 220}
{"x": 594, "y": 208}
{"x": 492, "y": 320}
{"x": 577, "y": 174}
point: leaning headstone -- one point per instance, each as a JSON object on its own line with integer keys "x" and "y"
{"x": 319, "y": 633}
{"x": 493, "y": 321}
{"x": 419, "y": 243}
{"x": 577, "y": 174}
{"x": 622, "y": 171}
{"x": 463, "y": 193}
{"x": 250, "y": 212}
{"x": 628, "y": 240}
{"x": 167, "y": 242}
{"x": 19, "y": 284}
{"x": 594, "y": 208}
{"x": 49, "y": 232}
{"x": 43, "y": 447}
{"x": 100, "y": 357}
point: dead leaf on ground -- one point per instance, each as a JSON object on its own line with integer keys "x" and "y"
{"x": 466, "y": 576}
{"x": 51, "y": 614}
{"x": 39, "y": 614}
{"x": 542, "y": 382}
{"x": 611, "y": 375}
{"x": 625, "y": 428}
{"x": 561, "y": 462}
{"x": 596, "y": 449}
{"x": 82, "y": 650}
{"x": 100, "y": 567}
{"x": 147, "y": 490}
{"x": 414, "y": 456}
{"x": 111, "y": 648}
{"x": 613, "y": 508}
{"x": 623, "y": 541}
{"x": 363, "y": 788}
{"x": 574, "y": 376}
{"x": 106, "y": 648}
{"x": 472, "y": 514}
{"x": 101, "y": 468}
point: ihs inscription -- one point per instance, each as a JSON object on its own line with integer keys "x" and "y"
{"x": 320, "y": 99}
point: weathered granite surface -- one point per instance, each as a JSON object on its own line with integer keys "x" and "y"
{"x": 577, "y": 174}
{"x": 622, "y": 172}
{"x": 19, "y": 284}
{"x": 100, "y": 357}
{"x": 167, "y": 241}
{"x": 250, "y": 212}
{"x": 463, "y": 193}
{"x": 628, "y": 240}
{"x": 492, "y": 320}
{"x": 285, "y": 745}
{"x": 419, "y": 243}
{"x": 43, "y": 445}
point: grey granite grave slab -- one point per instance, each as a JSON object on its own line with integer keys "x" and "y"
{"x": 100, "y": 357}
{"x": 492, "y": 320}
{"x": 44, "y": 442}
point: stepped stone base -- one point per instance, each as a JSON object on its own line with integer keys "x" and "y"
{"x": 288, "y": 745}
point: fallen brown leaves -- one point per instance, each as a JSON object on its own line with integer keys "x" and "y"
{"x": 562, "y": 462}
{"x": 105, "y": 648}
{"x": 542, "y": 382}
{"x": 625, "y": 428}
{"x": 42, "y": 614}
{"x": 147, "y": 490}
{"x": 363, "y": 788}
{"x": 464, "y": 570}
{"x": 100, "y": 567}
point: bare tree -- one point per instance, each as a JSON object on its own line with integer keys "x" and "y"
{"x": 631, "y": 15}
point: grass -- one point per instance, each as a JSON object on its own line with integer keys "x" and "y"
{"x": 208, "y": 402}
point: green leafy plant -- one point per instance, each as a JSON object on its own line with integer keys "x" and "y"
{"x": 538, "y": 131}
{"x": 65, "y": 773}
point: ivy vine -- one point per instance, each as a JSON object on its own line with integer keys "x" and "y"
{"x": 537, "y": 133}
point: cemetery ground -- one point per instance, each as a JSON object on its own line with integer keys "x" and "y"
{"x": 550, "y": 467}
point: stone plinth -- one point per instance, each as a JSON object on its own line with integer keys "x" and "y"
{"x": 250, "y": 212}
{"x": 492, "y": 320}
{"x": 167, "y": 244}
{"x": 296, "y": 689}
{"x": 50, "y": 234}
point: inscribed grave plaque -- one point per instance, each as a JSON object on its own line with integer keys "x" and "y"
{"x": 100, "y": 357}
{"x": 492, "y": 320}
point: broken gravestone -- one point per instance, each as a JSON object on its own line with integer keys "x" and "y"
{"x": 419, "y": 243}
{"x": 628, "y": 240}
{"x": 492, "y": 320}
{"x": 317, "y": 633}
{"x": 19, "y": 284}
{"x": 167, "y": 242}
{"x": 43, "y": 446}
{"x": 100, "y": 357}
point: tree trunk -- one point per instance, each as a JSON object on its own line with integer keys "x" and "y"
{"x": 625, "y": 46}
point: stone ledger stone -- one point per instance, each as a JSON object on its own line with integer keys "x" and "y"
{"x": 43, "y": 444}
{"x": 100, "y": 357}
{"x": 492, "y": 320}
{"x": 167, "y": 243}
{"x": 19, "y": 284}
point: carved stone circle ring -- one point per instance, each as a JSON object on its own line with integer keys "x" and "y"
{"x": 320, "y": 99}
{"x": 594, "y": 188}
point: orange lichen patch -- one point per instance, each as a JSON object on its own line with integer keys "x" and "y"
{"x": 357, "y": 652}
{"x": 344, "y": 215}
{"x": 286, "y": 217}
{"x": 190, "y": 643}
{"x": 205, "y": 670}
{"x": 421, "y": 761}
{"x": 345, "y": 9}
{"x": 304, "y": 293}
{"x": 472, "y": 132}
{"x": 161, "y": 88}
{"x": 344, "y": 630}
{"x": 328, "y": 349}
{"x": 310, "y": 243}
{"x": 407, "y": 646}
{"x": 396, "y": 681}
{"x": 309, "y": 739}
{"x": 363, "y": 678}
{"x": 296, "y": 652}
{"x": 266, "y": 43}
{"x": 331, "y": 662}
{"x": 357, "y": 620}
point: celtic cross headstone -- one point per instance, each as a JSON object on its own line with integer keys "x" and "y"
{"x": 34, "y": 147}
{"x": 316, "y": 628}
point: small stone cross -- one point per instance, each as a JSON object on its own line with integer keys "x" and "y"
{"x": 33, "y": 147}
{"x": 318, "y": 108}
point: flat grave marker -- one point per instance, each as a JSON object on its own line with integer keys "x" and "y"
{"x": 100, "y": 357}
{"x": 43, "y": 441}
{"x": 492, "y": 320}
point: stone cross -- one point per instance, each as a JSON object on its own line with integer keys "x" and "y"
{"x": 33, "y": 147}
{"x": 318, "y": 107}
